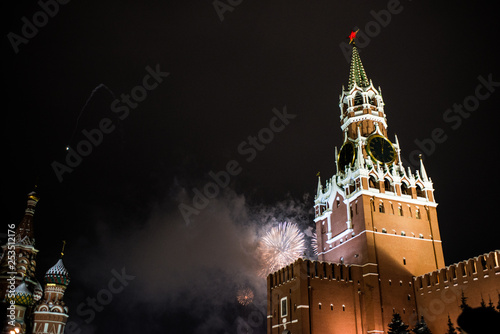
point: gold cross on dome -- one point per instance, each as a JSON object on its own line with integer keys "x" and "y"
{"x": 62, "y": 251}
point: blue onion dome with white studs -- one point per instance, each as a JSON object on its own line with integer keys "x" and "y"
{"x": 58, "y": 274}
{"x": 21, "y": 296}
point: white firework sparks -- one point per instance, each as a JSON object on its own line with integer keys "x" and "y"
{"x": 314, "y": 243}
{"x": 245, "y": 296}
{"x": 281, "y": 246}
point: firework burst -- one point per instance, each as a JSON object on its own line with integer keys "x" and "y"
{"x": 281, "y": 246}
{"x": 245, "y": 296}
{"x": 314, "y": 243}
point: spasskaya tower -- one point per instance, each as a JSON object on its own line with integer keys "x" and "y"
{"x": 373, "y": 210}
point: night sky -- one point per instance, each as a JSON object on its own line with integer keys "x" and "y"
{"x": 206, "y": 81}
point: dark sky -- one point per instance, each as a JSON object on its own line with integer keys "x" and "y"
{"x": 118, "y": 208}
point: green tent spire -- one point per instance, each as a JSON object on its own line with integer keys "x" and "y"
{"x": 357, "y": 74}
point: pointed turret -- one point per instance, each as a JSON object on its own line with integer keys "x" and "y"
{"x": 25, "y": 233}
{"x": 359, "y": 153}
{"x": 320, "y": 187}
{"x": 423, "y": 172}
{"x": 24, "y": 245}
{"x": 357, "y": 74}
{"x": 398, "y": 151}
{"x": 361, "y": 104}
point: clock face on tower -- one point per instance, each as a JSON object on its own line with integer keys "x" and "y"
{"x": 380, "y": 149}
{"x": 346, "y": 155}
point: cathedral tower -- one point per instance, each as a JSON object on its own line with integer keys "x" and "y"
{"x": 18, "y": 283}
{"x": 51, "y": 313}
{"x": 25, "y": 310}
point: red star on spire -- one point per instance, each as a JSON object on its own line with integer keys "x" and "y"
{"x": 352, "y": 35}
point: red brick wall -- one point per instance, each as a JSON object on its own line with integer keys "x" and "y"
{"x": 439, "y": 293}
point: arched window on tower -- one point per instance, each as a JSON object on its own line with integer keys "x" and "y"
{"x": 381, "y": 208}
{"x": 388, "y": 186}
{"x": 372, "y": 182}
{"x": 420, "y": 191}
{"x": 404, "y": 189}
{"x": 358, "y": 99}
{"x": 372, "y": 100}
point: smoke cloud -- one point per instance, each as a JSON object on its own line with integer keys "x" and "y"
{"x": 192, "y": 270}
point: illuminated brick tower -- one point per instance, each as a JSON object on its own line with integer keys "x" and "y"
{"x": 377, "y": 237}
{"x": 371, "y": 206}
{"x": 372, "y": 212}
